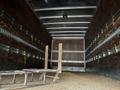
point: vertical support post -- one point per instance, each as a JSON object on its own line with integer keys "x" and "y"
{"x": 46, "y": 57}
{"x": 59, "y": 62}
{"x": 51, "y": 53}
{"x": 84, "y": 55}
{"x": 60, "y": 57}
{"x": 46, "y": 63}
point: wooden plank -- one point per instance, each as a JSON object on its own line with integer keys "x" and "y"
{"x": 60, "y": 58}
{"x": 40, "y": 70}
{"x": 13, "y": 72}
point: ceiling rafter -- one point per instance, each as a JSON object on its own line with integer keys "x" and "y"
{"x": 58, "y": 32}
{"x": 68, "y": 16}
{"x": 70, "y": 35}
{"x": 64, "y": 8}
{"x": 54, "y": 28}
{"x": 49, "y": 23}
{"x": 67, "y": 37}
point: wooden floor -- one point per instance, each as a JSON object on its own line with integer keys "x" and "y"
{"x": 68, "y": 81}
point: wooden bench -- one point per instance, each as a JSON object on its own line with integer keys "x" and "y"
{"x": 14, "y": 73}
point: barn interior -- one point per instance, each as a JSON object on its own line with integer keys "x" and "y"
{"x": 89, "y": 31}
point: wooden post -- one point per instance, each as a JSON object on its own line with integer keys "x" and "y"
{"x": 46, "y": 63}
{"x": 60, "y": 58}
{"x": 51, "y": 53}
{"x": 59, "y": 62}
{"x": 46, "y": 57}
{"x": 84, "y": 55}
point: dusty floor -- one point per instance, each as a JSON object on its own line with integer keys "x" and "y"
{"x": 68, "y": 81}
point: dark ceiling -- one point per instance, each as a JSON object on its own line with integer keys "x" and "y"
{"x": 60, "y": 3}
{"x": 65, "y": 17}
